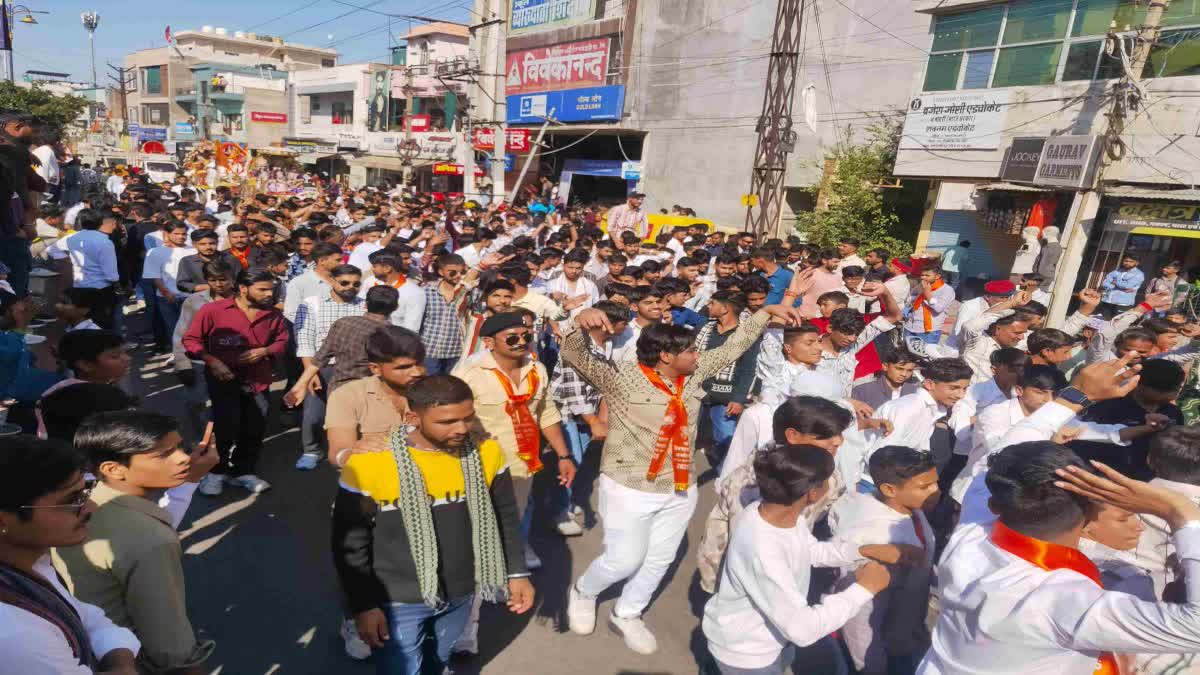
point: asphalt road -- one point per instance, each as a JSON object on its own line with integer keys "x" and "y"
{"x": 261, "y": 581}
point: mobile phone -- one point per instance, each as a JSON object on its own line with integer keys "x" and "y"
{"x": 208, "y": 432}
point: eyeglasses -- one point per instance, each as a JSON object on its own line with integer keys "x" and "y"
{"x": 80, "y": 500}
{"x": 518, "y": 339}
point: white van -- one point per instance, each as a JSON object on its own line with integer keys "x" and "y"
{"x": 160, "y": 169}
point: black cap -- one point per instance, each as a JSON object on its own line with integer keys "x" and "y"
{"x": 499, "y": 322}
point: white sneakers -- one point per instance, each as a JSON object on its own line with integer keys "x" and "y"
{"x": 250, "y": 483}
{"x": 581, "y": 612}
{"x": 567, "y": 527}
{"x": 637, "y": 637}
{"x": 308, "y": 461}
{"x": 355, "y": 647}
{"x": 212, "y": 485}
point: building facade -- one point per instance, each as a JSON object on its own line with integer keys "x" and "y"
{"x": 212, "y": 85}
{"x": 1009, "y": 120}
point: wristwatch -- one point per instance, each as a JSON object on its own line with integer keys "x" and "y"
{"x": 1074, "y": 396}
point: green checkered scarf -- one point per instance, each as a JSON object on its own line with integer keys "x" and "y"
{"x": 490, "y": 571}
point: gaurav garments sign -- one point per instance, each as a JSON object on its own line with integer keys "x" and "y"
{"x": 1021, "y": 160}
{"x": 1068, "y": 161}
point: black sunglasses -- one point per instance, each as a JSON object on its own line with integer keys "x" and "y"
{"x": 518, "y": 339}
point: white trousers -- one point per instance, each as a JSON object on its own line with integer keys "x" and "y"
{"x": 642, "y": 532}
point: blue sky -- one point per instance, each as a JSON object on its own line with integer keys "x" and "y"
{"x": 59, "y": 43}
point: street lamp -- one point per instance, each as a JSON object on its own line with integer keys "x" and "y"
{"x": 27, "y": 17}
{"x": 90, "y": 21}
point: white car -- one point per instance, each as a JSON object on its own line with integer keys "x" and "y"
{"x": 160, "y": 171}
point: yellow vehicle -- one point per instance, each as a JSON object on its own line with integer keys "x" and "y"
{"x": 658, "y": 221}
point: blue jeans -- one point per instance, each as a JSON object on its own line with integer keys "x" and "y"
{"x": 168, "y": 313}
{"x": 723, "y": 427}
{"x": 312, "y": 415}
{"x": 439, "y": 366}
{"x": 410, "y": 626}
{"x": 578, "y": 434}
{"x": 931, "y": 338}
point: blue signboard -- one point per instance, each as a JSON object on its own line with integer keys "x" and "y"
{"x": 586, "y": 104}
{"x": 134, "y": 128}
{"x": 151, "y": 134}
{"x": 184, "y": 128}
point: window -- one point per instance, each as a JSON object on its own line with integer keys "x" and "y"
{"x": 327, "y": 63}
{"x": 306, "y": 110}
{"x": 1035, "y": 42}
{"x": 342, "y": 112}
{"x": 155, "y": 113}
{"x": 152, "y": 80}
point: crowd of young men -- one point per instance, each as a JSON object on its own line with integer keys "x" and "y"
{"x": 994, "y": 495}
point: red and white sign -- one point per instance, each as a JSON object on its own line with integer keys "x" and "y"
{"x": 268, "y": 117}
{"x": 566, "y": 66}
{"x": 448, "y": 169}
{"x": 516, "y": 140}
{"x": 418, "y": 122}
{"x": 154, "y": 148}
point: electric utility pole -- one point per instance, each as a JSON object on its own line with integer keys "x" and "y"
{"x": 775, "y": 135}
{"x": 1126, "y": 92}
{"x": 122, "y": 78}
{"x": 486, "y": 98}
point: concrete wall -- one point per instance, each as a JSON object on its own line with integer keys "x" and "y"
{"x": 263, "y": 134}
{"x": 697, "y": 77}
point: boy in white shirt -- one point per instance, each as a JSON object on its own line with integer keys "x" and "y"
{"x": 761, "y": 607}
{"x": 891, "y": 628}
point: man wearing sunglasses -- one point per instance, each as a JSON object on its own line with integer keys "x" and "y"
{"x": 513, "y": 404}
{"x": 314, "y": 318}
{"x": 44, "y": 502}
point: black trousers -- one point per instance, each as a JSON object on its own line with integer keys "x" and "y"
{"x": 239, "y": 424}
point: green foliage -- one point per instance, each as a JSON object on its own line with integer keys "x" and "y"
{"x": 856, "y": 206}
{"x": 55, "y": 112}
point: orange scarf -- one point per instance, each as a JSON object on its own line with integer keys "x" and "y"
{"x": 244, "y": 258}
{"x": 919, "y": 306}
{"x": 399, "y": 283}
{"x": 672, "y": 438}
{"x": 529, "y": 437}
{"x": 1052, "y": 557}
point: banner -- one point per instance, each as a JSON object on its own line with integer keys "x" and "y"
{"x": 516, "y": 140}
{"x": 957, "y": 120}
{"x": 565, "y": 66}
{"x": 570, "y": 105}
{"x": 268, "y": 117}
{"x": 1021, "y": 160}
{"x": 1181, "y": 217}
{"x": 377, "y": 110}
{"x": 529, "y": 16}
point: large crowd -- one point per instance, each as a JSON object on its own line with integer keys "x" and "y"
{"x": 986, "y": 493}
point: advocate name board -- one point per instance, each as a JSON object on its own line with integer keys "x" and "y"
{"x": 529, "y": 16}
{"x": 569, "y": 105}
{"x": 566, "y": 66}
{"x": 957, "y": 121}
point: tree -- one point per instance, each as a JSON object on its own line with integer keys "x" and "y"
{"x": 856, "y": 206}
{"x": 53, "y": 111}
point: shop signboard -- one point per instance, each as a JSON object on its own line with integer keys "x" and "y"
{"x": 516, "y": 140}
{"x": 1157, "y": 218}
{"x": 451, "y": 169}
{"x": 305, "y": 146}
{"x": 957, "y": 121}
{"x": 564, "y": 66}
{"x": 184, "y": 128}
{"x": 588, "y": 104}
{"x": 436, "y": 145}
{"x": 152, "y": 134}
{"x": 1069, "y": 162}
{"x": 418, "y": 122}
{"x": 1021, "y": 160}
{"x": 529, "y": 16}
{"x": 268, "y": 117}
{"x": 631, "y": 170}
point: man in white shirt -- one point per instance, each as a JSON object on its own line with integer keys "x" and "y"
{"x": 994, "y": 292}
{"x": 1017, "y": 596}
{"x": 572, "y": 289}
{"x": 49, "y": 170}
{"x": 360, "y": 257}
{"x": 917, "y": 418}
{"x": 1172, "y": 455}
{"x": 115, "y": 184}
{"x": 629, "y": 217}
{"x": 998, "y": 328}
{"x": 848, "y": 252}
{"x": 162, "y": 269}
{"x": 472, "y": 253}
{"x": 930, "y": 302}
{"x": 385, "y": 268}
